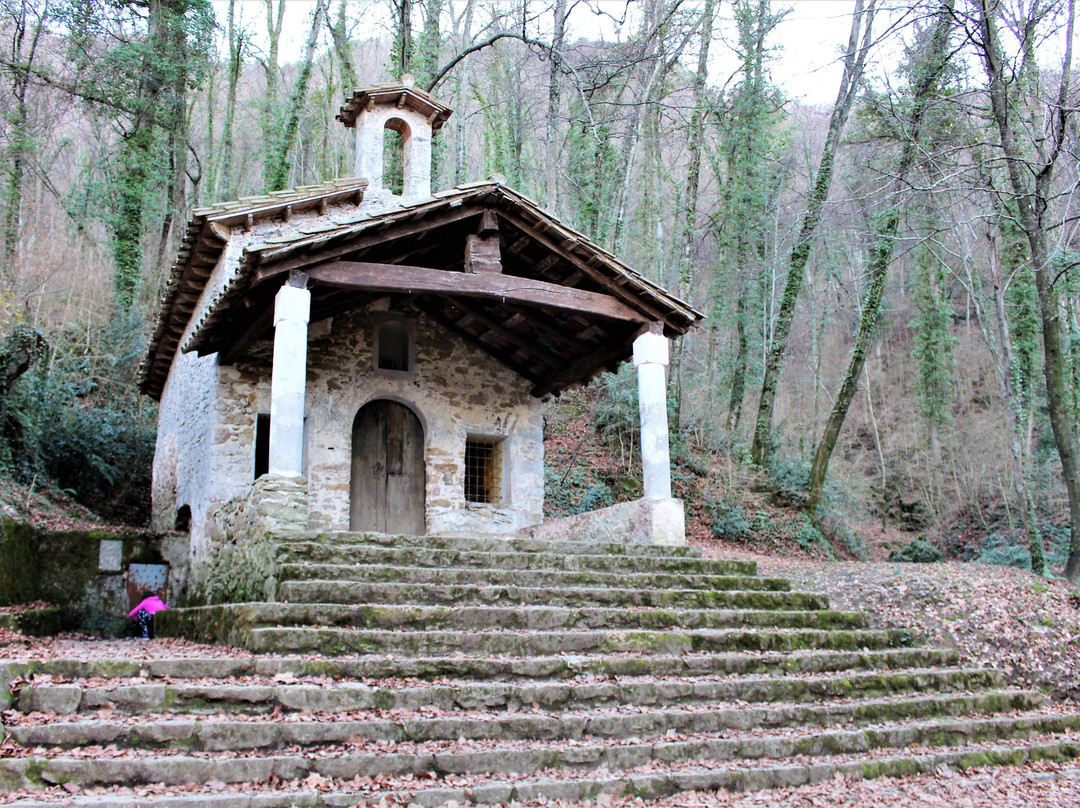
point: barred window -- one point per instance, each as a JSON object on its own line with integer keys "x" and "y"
{"x": 483, "y": 470}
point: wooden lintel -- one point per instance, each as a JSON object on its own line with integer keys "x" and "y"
{"x": 392, "y": 231}
{"x": 526, "y": 291}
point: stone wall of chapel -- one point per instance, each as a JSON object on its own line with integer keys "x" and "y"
{"x": 457, "y": 391}
{"x": 197, "y": 459}
{"x": 207, "y": 416}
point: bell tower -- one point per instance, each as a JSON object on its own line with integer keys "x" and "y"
{"x": 413, "y": 113}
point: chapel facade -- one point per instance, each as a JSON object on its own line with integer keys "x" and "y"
{"x": 389, "y": 352}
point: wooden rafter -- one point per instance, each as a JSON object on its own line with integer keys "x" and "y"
{"x": 646, "y": 308}
{"x": 392, "y": 231}
{"x": 436, "y": 313}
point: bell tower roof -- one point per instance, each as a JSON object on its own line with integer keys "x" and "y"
{"x": 402, "y": 95}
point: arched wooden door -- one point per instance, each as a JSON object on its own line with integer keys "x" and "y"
{"x": 387, "y": 489}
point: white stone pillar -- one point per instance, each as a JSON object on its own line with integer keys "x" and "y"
{"x": 292, "y": 309}
{"x": 416, "y": 177}
{"x": 651, "y": 360}
{"x": 369, "y": 149}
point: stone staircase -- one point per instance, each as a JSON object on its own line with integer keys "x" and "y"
{"x": 421, "y": 670}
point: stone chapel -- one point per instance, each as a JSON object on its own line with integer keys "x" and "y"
{"x": 377, "y": 361}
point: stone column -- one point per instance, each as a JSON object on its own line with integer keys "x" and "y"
{"x": 369, "y": 149}
{"x": 292, "y": 308}
{"x": 651, "y": 359}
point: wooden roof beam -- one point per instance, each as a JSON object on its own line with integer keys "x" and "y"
{"x": 537, "y": 352}
{"x": 652, "y": 312}
{"x": 435, "y": 312}
{"x": 523, "y": 291}
{"x": 584, "y": 368}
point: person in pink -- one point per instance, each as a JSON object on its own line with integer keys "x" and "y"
{"x": 143, "y": 614}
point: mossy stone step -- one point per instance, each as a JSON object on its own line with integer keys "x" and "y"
{"x": 259, "y": 698}
{"x": 450, "y": 576}
{"x": 504, "y": 544}
{"x": 335, "y": 552}
{"x": 183, "y": 769}
{"x": 318, "y": 591}
{"x": 334, "y": 641}
{"x": 661, "y": 782}
{"x": 559, "y": 667}
{"x": 519, "y": 618}
{"x": 237, "y": 736}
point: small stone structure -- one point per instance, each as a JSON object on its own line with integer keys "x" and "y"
{"x": 340, "y": 357}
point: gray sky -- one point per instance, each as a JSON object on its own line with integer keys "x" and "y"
{"x": 807, "y": 40}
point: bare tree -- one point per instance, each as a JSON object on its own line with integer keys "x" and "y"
{"x": 858, "y": 48}
{"x": 1045, "y": 125}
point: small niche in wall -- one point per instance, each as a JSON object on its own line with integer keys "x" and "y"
{"x": 394, "y": 347}
{"x": 183, "y": 520}
{"x": 262, "y": 444}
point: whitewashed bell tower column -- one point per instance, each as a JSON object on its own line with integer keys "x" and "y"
{"x": 292, "y": 310}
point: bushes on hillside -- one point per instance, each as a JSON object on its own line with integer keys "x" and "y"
{"x": 75, "y": 419}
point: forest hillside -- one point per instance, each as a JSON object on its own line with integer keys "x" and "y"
{"x": 891, "y": 356}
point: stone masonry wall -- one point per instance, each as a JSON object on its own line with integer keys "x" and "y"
{"x": 455, "y": 390}
{"x": 188, "y": 463}
{"x": 207, "y": 415}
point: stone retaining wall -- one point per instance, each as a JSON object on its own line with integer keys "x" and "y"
{"x": 239, "y": 562}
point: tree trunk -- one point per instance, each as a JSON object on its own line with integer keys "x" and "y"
{"x": 279, "y": 162}
{"x": 929, "y": 68}
{"x": 271, "y": 125}
{"x": 859, "y": 42}
{"x": 551, "y": 134}
{"x": 237, "y": 41}
{"x": 738, "y": 372}
{"x": 24, "y": 41}
{"x": 341, "y": 48}
{"x": 693, "y": 148}
{"x": 1032, "y": 201}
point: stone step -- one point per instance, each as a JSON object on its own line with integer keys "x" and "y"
{"x": 333, "y": 641}
{"x": 213, "y": 619}
{"x": 264, "y": 695}
{"x": 662, "y": 778}
{"x": 508, "y": 544}
{"x": 338, "y": 553}
{"x": 375, "y": 573}
{"x": 317, "y": 591}
{"x": 799, "y": 663}
{"x": 364, "y": 758}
